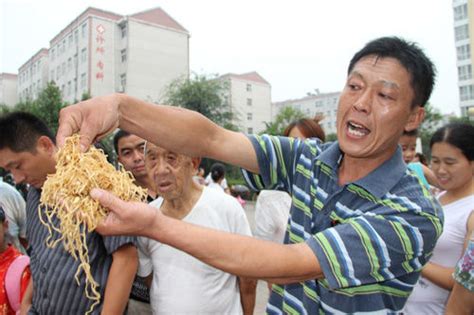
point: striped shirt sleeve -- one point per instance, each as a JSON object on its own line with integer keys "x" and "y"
{"x": 373, "y": 247}
{"x": 276, "y": 161}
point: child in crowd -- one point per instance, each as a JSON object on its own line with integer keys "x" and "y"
{"x": 14, "y": 272}
{"x": 408, "y": 144}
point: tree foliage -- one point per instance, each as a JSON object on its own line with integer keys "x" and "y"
{"x": 203, "y": 94}
{"x": 431, "y": 122}
{"x": 286, "y": 116}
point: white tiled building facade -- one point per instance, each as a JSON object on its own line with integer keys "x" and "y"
{"x": 464, "y": 35}
{"x": 101, "y": 52}
{"x": 33, "y": 75}
{"x": 249, "y": 97}
{"x": 8, "y": 89}
{"x": 324, "y": 104}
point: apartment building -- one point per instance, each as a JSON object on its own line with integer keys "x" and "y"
{"x": 33, "y": 75}
{"x": 464, "y": 35}
{"x": 314, "y": 104}
{"x": 8, "y": 89}
{"x": 101, "y": 52}
{"x": 249, "y": 97}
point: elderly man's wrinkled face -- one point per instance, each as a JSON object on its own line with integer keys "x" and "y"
{"x": 171, "y": 173}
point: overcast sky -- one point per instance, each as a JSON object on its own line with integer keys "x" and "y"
{"x": 297, "y": 46}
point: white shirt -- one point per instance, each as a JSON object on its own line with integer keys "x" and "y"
{"x": 209, "y": 181}
{"x": 427, "y": 297}
{"x": 271, "y": 215}
{"x": 181, "y": 283}
{"x": 14, "y": 206}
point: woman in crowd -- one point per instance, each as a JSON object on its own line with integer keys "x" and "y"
{"x": 452, "y": 161}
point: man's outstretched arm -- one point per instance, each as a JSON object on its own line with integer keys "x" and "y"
{"x": 236, "y": 254}
{"x": 176, "y": 129}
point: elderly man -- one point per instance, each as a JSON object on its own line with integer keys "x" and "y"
{"x": 181, "y": 284}
{"x": 360, "y": 228}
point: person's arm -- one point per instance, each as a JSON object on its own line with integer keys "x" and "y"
{"x": 439, "y": 275}
{"x": 461, "y": 301}
{"x": 248, "y": 290}
{"x": 430, "y": 176}
{"x": 442, "y": 276}
{"x": 176, "y": 129}
{"x": 27, "y": 299}
{"x": 279, "y": 264}
{"x": 119, "y": 283}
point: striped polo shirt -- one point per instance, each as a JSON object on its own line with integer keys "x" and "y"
{"x": 53, "y": 269}
{"x": 371, "y": 236}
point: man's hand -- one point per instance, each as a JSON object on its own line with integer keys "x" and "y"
{"x": 92, "y": 119}
{"x": 124, "y": 218}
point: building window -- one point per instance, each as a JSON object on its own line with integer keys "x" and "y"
{"x": 461, "y": 32}
{"x": 249, "y": 130}
{"x": 58, "y": 72}
{"x": 69, "y": 64}
{"x": 249, "y": 116}
{"x": 463, "y": 52}
{"x": 75, "y": 60}
{"x": 84, "y": 30}
{"x": 123, "y": 54}
{"x": 63, "y": 47}
{"x": 123, "y": 82}
{"x": 76, "y": 36}
{"x": 249, "y": 87}
{"x": 249, "y": 102}
{"x": 460, "y": 12}
{"x": 466, "y": 92}
{"x": 123, "y": 30}
{"x": 69, "y": 88}
{"x": 63, "y": 72}
{"x": 75, "y": 86}
{"x": 52, "y": 54}
{"x": 83, "y": 81}
{"x": 70, "y": 40}
{"x": 83, "y": 55}
{"x": 465, "y": 72}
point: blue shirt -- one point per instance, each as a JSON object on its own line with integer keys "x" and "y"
{"x": 371, "y": 236}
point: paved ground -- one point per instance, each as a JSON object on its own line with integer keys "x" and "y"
{"x": 262, "y": 290}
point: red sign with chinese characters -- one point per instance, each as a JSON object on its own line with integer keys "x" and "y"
{"x": 100, "y": 51}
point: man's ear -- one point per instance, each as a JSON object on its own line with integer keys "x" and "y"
{"x": 196, "y": 161}
{"x": 415, "y": 119}
{"x": 45, "y": 144}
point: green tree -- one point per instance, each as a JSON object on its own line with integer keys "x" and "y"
{"x": 286, "y": 116}
{"x": 203, "y": 94}
{"x": 48, "y": 104}
{"x": 331, "y": 137}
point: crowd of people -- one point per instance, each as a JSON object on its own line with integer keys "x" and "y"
{"x": 358, "y": 225}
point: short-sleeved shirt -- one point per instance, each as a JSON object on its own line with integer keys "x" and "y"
{"x": 53, "y": 269}
{"x": 371, "y": 236}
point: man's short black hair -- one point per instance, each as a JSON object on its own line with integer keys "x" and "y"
{"x": 119, "y": 135}
{"x": 19, "y": 132}
{"x": 2, "y": 215}
{"x": 410, "y": 56}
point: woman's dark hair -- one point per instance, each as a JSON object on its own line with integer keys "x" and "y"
{"x": 310, "y": 128}
{"x": 459, "y": 135}
{"x": 217, "y": 171}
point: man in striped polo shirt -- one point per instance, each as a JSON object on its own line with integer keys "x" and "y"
{"x": 27, "y": 150}
{"x": 361, "y": 226}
